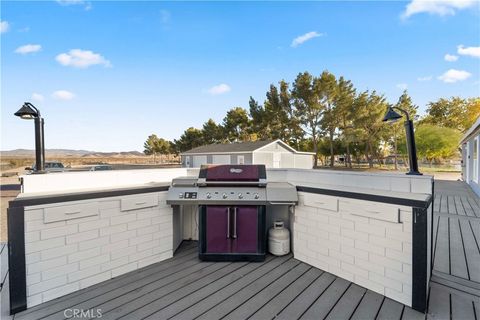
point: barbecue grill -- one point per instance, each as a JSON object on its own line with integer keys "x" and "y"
{"x": 232, "y": 202}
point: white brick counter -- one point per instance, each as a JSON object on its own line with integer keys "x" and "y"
{"x": 361, "y": 241}
{"x": 111, "y": 237}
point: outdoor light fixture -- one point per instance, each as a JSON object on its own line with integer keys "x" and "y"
{"x": 28, "y": 111}
{"x": 392, "y": 116}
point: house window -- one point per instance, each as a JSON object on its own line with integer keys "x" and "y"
{"x": 240, "y": 159}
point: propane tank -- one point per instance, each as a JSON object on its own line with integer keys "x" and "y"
{"x": 278, "y": 239}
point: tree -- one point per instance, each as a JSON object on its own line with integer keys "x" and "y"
{"x": 369, "y": 109}
{"x": 343, "y": 101}
{"x": 191, "y": 138}
{"x": 212, "y": 133}
{"x": 455, "y": 113}
{"x": 308, "y": 108}
{"x": 326, "y": 88}
{"x": 404, "y": 102}
{"x": 155, "y": 145}
{"x": 236, "y": 125}
{"x": 435, "y": 143}
{"x": 151, "y": 146}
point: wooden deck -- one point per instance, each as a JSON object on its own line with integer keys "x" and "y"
{"x": 284, "y": 288}
{"x": 455, "y": 283}
{"x": 185, "y": 288}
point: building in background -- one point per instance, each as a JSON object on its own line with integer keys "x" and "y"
{"x": 274, "y": 154}
{"x": 471, "y": 157}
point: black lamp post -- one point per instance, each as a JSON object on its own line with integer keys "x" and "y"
{"x": 391, "y": 116}
{"x": 28, "y": 111}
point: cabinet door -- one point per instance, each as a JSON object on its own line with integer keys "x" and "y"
{"x": 245, "y": 227}
{"x": 217, "y": 223}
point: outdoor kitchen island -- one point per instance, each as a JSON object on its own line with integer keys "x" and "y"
{"x": 377, "y": 237}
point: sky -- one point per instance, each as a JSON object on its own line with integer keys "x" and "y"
{"x": 106, "y": 74}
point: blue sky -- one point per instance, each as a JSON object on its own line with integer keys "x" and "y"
{"x": 107, "y": 74}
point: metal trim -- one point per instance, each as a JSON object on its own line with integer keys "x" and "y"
{"x": 16, "y": 259}
{"x": 368, "y": 197}
{"x": 419, "y": 260}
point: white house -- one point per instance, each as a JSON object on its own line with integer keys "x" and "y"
{"x": 274, "y": 154}
{"x": 471, "y": 157}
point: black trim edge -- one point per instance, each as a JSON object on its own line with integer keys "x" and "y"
{"x": 25, "y": 202}
{"x": 419, "y": 260}
{"x": 368, "y": 197}
{"x": 16, "y": 259}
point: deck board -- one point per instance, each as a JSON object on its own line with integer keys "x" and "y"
{"x": 390, "y": 310}
{"x": 369, "y": 306}
{"x": 281, "y": 301}
{"x": 454, "y": 286}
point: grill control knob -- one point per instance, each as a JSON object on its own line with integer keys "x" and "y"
{"x": 256, "y": 196}
{"x": 240, "y": 196}
{"x": 180, "y": 195}
{"x": 209, "y": 195}
{"x": 224, "y": 196}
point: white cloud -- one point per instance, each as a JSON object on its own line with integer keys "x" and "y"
{"x": 37, "y": 97}
{"x": 402, "y": 86}
{"x": 468, "y": 51}
{"x": 454, "y": 75}
{"x": 87, "y": 4}
{"x": 4, "y": 26}
{"x": 165, "y": 16}
{"x": 437, "y": 7}
{"x": 304, "y": 38}
{"x": 82, "y": 59}
{"x": 63, "y": 95}
{"x": 219, "y": 89}
{"x": 426, "y": 78}
{"x": 450, "y": 57}
{"x": 28, "y": 48}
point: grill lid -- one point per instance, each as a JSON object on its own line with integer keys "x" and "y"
{"x": 232, "y": 174}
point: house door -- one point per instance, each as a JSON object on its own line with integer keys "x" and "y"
{"x": 240, "y": 159}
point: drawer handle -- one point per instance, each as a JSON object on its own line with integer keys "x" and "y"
{"x": 374, "y": 212}
{"x": 319, "y": 202}
{"x": 139, "y": 203}
{"x": 72, "y": 212}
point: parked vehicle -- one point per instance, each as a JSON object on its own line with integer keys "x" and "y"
{"x": 101, "y": 167}
{"x": 50, "y": 166}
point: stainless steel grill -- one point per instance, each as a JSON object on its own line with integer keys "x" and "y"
{"x": 231, "y": 185}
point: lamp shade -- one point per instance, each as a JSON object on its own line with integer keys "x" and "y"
{"x": 26, "y": 112}
{"x": 391, "y": 115}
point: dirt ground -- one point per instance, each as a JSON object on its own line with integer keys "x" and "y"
{"x": 9, "y": 189}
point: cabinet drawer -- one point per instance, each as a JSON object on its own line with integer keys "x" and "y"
{"x": 321, "y": 201}
{"x": 369, "y": 209}
{"x": 139, "y": 202}
{"x": 68, "y": 212}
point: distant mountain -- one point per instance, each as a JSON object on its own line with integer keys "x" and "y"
{"x": 62, "y": 153}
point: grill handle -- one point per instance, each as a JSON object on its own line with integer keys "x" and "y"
{"x": 234, "y": 222}
{"x": 228, "y": 222}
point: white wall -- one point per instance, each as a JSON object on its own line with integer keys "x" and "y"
{"x": 68, "y": 181}
{"x": 342, "y": 237}
{"x": 121, "y": 234}
{"x": 472, "y": 165}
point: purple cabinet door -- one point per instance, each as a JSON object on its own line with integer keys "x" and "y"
{"x": 246, "y": 229}
{"x": 217, "y": 229}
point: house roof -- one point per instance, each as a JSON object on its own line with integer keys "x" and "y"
{"x": 472, "y": 131}
{"x": 236, "y": 147}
